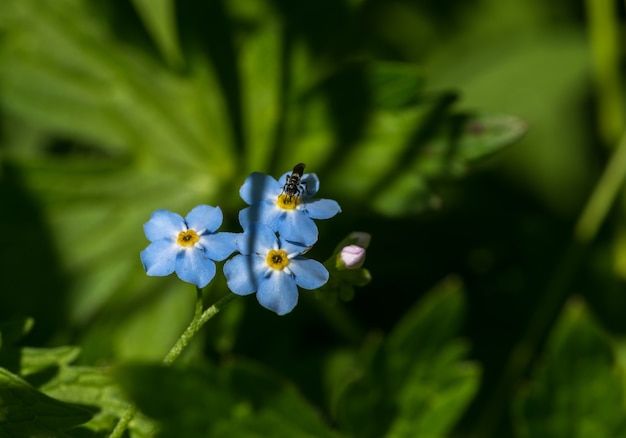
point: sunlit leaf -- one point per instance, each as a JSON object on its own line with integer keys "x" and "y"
{"x": 159, "y": 18}
{"x": 52, "y": 376}
{"x": 112, "y": 146}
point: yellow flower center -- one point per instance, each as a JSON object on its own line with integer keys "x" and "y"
{"x": 187, "y": 238}
{"x": 277, "y": 259}
{"x": 288, "y": 202}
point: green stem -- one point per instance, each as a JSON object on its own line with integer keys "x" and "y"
{"x": 604, "y": 195}
{"x": 195, "y": 325}
{"x": 604, "y": 38}
{"x": 199, "y": 319}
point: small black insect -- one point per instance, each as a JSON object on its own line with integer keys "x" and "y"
{"x": 293, "y": 183}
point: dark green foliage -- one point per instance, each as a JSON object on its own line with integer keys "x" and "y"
{"x": 415, "y": 383}
{"x": 406, "y": 110}
{"x": 27, "y": 412}
{"x": 43, "y": 395}
{"x": 577, "y": 389}
{"x": 240, "y": 399}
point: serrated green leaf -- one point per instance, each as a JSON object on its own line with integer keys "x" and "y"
{"x": 90, "y": 386}
{"x": 434, "y": 394}
{"x": 34, "y": 360}
{"x": 432, "y": 323}
{"x": 241, "y": 400}
{"x": 418, "y": 382}
{"x": 26, "y": 412}
{"x": 49, "y": 370}
{"x": 575, "y": 391}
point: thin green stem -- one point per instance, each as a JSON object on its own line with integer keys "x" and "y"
{"x": 199, "y": 319}
{"x": 603, "y": 196}
{"x": 604, "y": 38}
{"x": 121, "y": 425}
{"x": 195, "y": 325}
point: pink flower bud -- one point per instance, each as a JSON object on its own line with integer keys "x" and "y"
{"x": 351, "y": 257}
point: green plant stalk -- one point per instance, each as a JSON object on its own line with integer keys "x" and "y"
{"x": 592, "y": 217}
{"x": 604, "y": 37}
{"x": 604, "y": 195}
{"x": 199, "y": 319}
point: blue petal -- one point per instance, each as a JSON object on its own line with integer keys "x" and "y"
{"x": 257, "y": 238}
{"x": 297, "y": 227}
{"x": 292, "y": 247}
{"x": 265, "y": 212}
{"x": 311, "y": 183}
{"x": 159, "y": 258}
{"x": 218, "y": 246}
{"x": 163, "y": 224}
{"x": 204, "y": 218}
{"x": 310, "y": 274}
{"x": 322, "y": 208}
{"x": 278, "y": 292}
{"x": 193, "y": 266}
{"x": 258, "y": 187}
{"x": 241, "y": 274}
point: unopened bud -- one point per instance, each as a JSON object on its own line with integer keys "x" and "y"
{"x": 351, "y": 257}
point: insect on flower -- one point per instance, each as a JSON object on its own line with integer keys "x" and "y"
{"x": 293, "y": 183}
{"x": 287, "y": 204}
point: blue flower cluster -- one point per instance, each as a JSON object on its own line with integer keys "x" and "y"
{"x": 278, "y": 228}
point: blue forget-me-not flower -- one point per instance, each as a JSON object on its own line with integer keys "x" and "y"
{"x": 290, "y": 216}
{"x": 186, "y": 246}
{"x": 273, "y": 268}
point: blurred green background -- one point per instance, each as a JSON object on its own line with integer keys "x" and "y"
{"x": 465, "y": 137}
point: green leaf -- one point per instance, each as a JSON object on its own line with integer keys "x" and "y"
{"x": 159, "y": 17}
{"x": 576, "y": 390}
{"x": 99, "y": 128}
{"x": 34, "y": 360}
{"x": 105, "y": 142}
{"x": 395, "y": 84}
{"x": 259, "y": 42}
{"x": 419, "y": 336}
{"x": 447, "y": 154}
{"x": 417, "y": 381}
{"x": 49, "y": 370}
{"x": 26, "y": 412}
{"x": 91, "y": 386}
{"x": 14, "y": 330}
{"x": 240, "y": 400}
